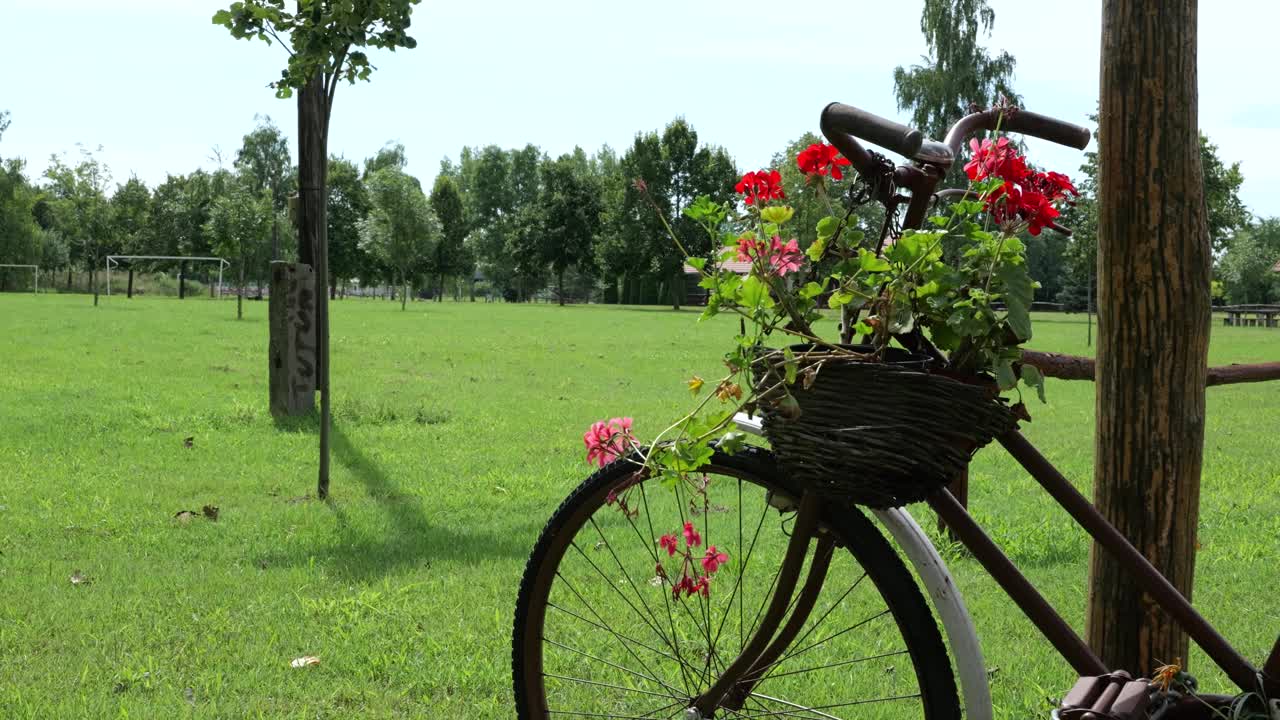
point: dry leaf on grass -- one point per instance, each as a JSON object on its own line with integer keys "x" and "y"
{"x": 304, "y": 661}
{"x": 184, "y": 516}
{"x": 79, "y": 578}
{"x": 211, "y": 512}
{"x": 189, "y": 442}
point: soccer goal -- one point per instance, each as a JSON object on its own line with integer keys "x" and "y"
{"x": 113, "y": 261}
{"x": 35, "y": 272}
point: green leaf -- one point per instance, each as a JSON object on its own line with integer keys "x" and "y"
{"x": 868, "y": 261}
{"x": 755, "y": 293}
{"x": 697, "y": 263}
{"x": 222, "y": 17}
{"x": 851, "y": 238}
{"x": 827, "y": 227}
{"x": 815, "y": 250}
{"x": 1004, "y": 375}
{"x": 839, "y": 299}
{"x": 813, "y": 290}
{"x": 777, "y": 214}
{"x": 790, "y": 365}
{"x": 1019, "y": 293}
{"x": 1032, "y": 378}
{"x": 732, "y": 441}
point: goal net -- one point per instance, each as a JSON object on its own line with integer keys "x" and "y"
{"x": 21, "y": 270}
{"x": 114, "y": 262}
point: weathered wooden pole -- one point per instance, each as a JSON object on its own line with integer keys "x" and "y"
{"x": 1153, "y": 322}
{"x": 313, "y": 245}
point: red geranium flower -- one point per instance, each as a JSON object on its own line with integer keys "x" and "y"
{"x": 668, "y": 542}
{"x": 691, "y": 536}
{"x": 819, "y": 159}
{"x": 713, "y": 560}
{"x": 760, "y": 186}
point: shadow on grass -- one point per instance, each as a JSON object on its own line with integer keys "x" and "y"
{"x": 366, "y": 549}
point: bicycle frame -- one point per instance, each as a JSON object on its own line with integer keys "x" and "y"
{"x": 933, "y": 160}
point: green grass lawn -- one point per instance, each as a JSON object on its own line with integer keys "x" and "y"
{"x": 457, "y": 432}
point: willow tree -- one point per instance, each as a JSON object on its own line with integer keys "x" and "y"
{"x": 958, "y": 71}
{"x": 325, "y": 41}
{"x": 1153, "y": 322}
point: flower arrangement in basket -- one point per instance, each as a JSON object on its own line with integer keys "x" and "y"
{"x": 940, "y": 313}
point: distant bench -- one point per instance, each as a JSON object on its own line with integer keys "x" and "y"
{"x": 1251, "y": 315}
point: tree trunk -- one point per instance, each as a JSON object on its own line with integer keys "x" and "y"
{"x": 93, "y": 280}
{"x": 1153, "y": 323}
{"x": 182, "y": 280}
{"x": 313, "y": 242}
{"x": 68, "y": 277}
{"x": 560, "y": 286}
{"x": 677, "y": 288}
{"x": 404, "y": 296}
{"x": 240, "y": 293}
{"x": 129, "y": 292}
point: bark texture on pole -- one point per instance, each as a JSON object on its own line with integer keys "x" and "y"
{"x": 313, "y": 245}
{"x": 1153, "y": 323}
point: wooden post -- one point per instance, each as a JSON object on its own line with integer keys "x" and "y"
{"x": 292, "y": 350}
{"x": 129, "y": 292}
{"x": 1153, "y": 323}
{"x": 313, "y": 243}
{"x": 182, "y": 280}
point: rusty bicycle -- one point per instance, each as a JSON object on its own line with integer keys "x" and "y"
{"x": 818, "y": 615}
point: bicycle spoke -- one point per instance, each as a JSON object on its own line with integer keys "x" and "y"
{"x": 829, "y": 638}
{"x": 597, "y": 683}
{"x": 605, "y": 626}
{"x": 797, "y": 642}
{"x": 620, "y": 594}
{"x": 650, "y": 614}
{"x": 789, "y": 713}
{"x": 616, "y": 666}
{"x": 832, "y": 665}
{"x": 666, "y": 601}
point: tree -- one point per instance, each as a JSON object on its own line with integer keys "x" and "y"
{"x": 401, "y": 229}
{"x": 1153, "y": 323}
{"x": 80, "y": 208}
{"x": 239, "y": 223}
{"x": 450, "y": 255}
{"x": 676, "y": 171}
{"x": 570, "y": 215}
{"x": 263, "y": 158}
{"x": 20, "y": 235}
{"x": 958, "y": 71}
{"x": 1247, "y": 268}
{"x": 1224, "y": 212}
{"x": 390, "y": 155}
{"x": 324, "y": 41}
{"x": 131, "y": 216}
{"x": 348, "y": 205}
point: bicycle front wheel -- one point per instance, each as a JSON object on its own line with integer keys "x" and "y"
{"x": 606, "y": 627}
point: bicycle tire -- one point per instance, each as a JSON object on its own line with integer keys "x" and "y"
{"x": 867, "y": 548}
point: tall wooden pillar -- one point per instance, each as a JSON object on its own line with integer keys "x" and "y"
{"x": 1153, "y": 322}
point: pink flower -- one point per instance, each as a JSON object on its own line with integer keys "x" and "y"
{"x": 691, "y": 536}
{"x": 668, "y": 542}
{"x": 703, "y": 586}
{"x": 748, "y": 248}
{"x": 607, "y": 442}
{"x": 713, "y": 560}
{"x": 785, "y": 258}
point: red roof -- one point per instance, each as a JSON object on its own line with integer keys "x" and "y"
{"x": 741, "y": 268}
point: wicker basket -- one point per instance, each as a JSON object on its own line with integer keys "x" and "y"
{"x": 881, "y": 434}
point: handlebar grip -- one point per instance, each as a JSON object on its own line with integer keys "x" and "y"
{"x": 1047, "y": 128}
{"x": 872, "y": 128}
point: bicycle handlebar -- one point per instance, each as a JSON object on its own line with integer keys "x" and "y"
{"x": 843, "y": 124}
{"x": 872, "y": 128}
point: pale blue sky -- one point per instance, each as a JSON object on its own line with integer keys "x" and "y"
{"x": 158, "y": 86}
